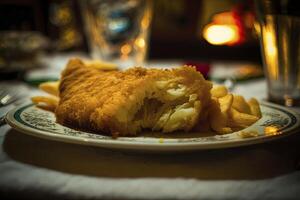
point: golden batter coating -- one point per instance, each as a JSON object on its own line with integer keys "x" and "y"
{"x": 125, "y": 102}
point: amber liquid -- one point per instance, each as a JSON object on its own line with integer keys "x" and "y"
{"x": 280, "y": 45}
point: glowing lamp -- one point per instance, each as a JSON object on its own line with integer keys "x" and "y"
{"x": 217, "y": 34}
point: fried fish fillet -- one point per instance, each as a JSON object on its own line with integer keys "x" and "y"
{"x": 122, "y": 103}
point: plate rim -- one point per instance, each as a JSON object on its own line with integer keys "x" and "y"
{"x": 154, "y": 147}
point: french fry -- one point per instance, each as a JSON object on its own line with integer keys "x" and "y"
{"x": 219, "y": 91}
{"x": 50, "y": 87}
{"x": 217, "y": 119}
{"x": 101, "y": 65}
{"x": 248, "y": 134}
{"x": 225, "y": 102}
{"x": 240, "y": 104}
{"x": 225, "y": 130}
{"x": 47, "y": 103}
{"x": 254, "y": 107}
{"x": 238, "y": 119}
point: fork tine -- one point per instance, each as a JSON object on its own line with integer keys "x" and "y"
{"x": 13, "y": 98}
{"x": 7, "y": 98}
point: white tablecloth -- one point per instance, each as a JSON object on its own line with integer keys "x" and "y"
{"x": 32, "y": 167}
{"x": 37, "y": 168}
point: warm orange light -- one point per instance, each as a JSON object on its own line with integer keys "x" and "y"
{"x": 270, "y": 43}
{"x": 270, "y": 49}
{"x": 68, "y": 38}
{"x": 271, "y": 130}
{"x": 220, "y": 34}
{"x": 147, "y": 16}
{"x": 140, "y": 42}
{"x": 125, "y": 49}
{"x": 223, "y": 18}
{"x": 146, "y": 21}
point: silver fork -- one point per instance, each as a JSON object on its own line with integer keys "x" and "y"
{"x": 6, "y": 98}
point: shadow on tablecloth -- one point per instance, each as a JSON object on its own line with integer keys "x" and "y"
{"x": 253, "y": 162}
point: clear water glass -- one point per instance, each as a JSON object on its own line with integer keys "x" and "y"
{"x": 280, "y": 46}
{"x": 118, "y": 30}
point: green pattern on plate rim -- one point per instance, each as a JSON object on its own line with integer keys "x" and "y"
{"x": 37, "y": 119}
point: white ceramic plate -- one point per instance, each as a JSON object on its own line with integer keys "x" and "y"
{"x": 276, "y": 122}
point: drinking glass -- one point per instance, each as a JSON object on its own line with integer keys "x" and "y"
{"x": 117, "y": 30}
{"x": 279, "y": 22}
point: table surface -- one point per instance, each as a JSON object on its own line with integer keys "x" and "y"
{"x": 33, "y": 167}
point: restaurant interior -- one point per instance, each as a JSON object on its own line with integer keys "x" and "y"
{"x": 247, "y": 146}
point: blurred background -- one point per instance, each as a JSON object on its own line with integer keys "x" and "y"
{"x": 195, "y": 31}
